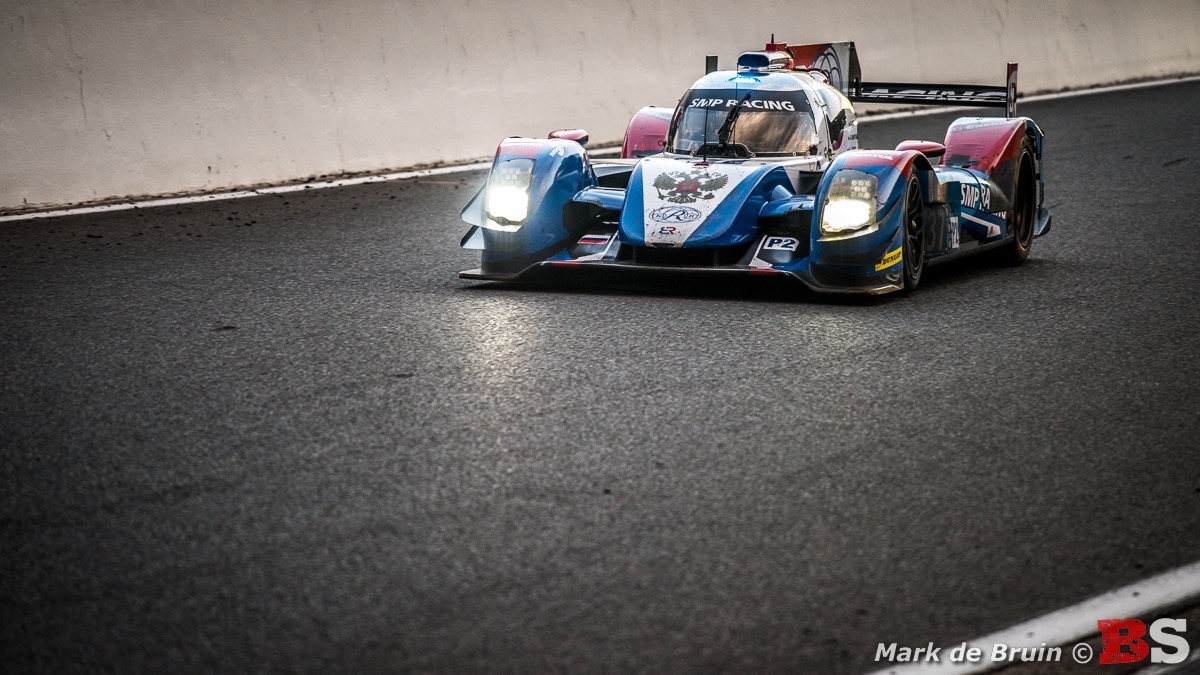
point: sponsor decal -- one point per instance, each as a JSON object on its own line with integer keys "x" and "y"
{"x": 890, "y": 259}
{"x": 518, "y": 148}
{"x": 953, "y": 232}
{"x": 781, "y": 244}
{"x": 757, "y": 104}
{"x": 860, "y": 158}
{"x": 668, "y": 230}
{"x": 829, "y": 62}
{"x": 986, "y": 124}
{"x": 977, "y": 197}
{"x": 686, "y": 187}
{"x": 990, "y": 229}
{"x": 863, "y": 158}
{"x": 683, "y": 195}
{"x": 674, "y": 214}
{"x": 1010, "y": 109}
{"x": 936, "y": 94}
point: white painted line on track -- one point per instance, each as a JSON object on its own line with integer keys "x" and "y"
{"x": 1137, "y": 600}
{"x": 275, "y": 190}
{"x": 477, "y": 166}
{"x": 220, "y": 196}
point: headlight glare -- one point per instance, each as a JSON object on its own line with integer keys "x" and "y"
{"x": 507, "y": 203}
{"x": 844, "y": 215}
{"x": 850, "y": 203}
{"x": 507, "y": 200}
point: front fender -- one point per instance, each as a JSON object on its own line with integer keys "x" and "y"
{"x": 560, "y": 170}
{"x": 870, "y": 255}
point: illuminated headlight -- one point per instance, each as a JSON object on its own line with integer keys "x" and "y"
{"x": 507, "y": 199}
{"x": 844, "y": 215}
{"x": 850, "y": 203}
{"x": 507, "y": 203}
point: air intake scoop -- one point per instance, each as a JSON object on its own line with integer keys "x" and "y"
{"x": 764, "y": 61}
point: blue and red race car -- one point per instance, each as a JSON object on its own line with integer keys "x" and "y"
{"x": 757, "y": 171}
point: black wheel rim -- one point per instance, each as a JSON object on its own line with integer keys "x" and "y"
{"x": 914, "y": 243}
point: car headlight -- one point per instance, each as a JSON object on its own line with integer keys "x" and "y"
{"x": 507, "y": 200}
{"x": 850, "y": 203}
{"x": 507, "y": 204}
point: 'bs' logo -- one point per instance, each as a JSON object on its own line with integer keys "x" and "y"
{"x": 1122, "y": 641}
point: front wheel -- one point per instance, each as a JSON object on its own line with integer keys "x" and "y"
{"x": 913, "y": 243}
{"x": 1021, "y": 218}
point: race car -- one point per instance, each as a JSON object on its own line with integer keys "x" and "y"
{"x": 757, "y": 171}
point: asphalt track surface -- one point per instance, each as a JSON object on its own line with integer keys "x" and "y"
{"x": 279, "y": 434}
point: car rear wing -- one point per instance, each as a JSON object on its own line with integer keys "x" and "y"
{"x": 838, "y": 61}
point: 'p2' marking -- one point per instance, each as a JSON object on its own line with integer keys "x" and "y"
{"x": 781, "y": 244}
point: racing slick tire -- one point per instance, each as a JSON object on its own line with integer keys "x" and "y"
{"x": 1023, "y": 215}
{"x": 913, "y": 236}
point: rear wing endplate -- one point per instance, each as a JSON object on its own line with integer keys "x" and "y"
{"x": 839, "y": 62}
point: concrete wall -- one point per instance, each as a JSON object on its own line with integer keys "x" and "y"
{"x": 101, "y": 99}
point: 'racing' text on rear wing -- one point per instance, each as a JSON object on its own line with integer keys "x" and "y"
{"x": 839, "y": 62}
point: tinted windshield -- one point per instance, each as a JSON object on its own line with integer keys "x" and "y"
{"x": 768, "y": 123}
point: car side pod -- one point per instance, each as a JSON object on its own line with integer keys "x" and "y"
{"x": 517, "y": 218}
{"x": 994, "y": 146}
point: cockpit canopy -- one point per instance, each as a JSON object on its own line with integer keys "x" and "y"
{"x": 743, "y": 123}
{"x": 761, "y": 114}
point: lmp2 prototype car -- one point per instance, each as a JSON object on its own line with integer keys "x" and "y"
{"x": 757, "y": 171}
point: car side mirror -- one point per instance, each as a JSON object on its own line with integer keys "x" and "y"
{"x": 578, "y": 135}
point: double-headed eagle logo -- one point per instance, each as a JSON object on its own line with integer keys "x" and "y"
{"x": 685, "y": 187}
